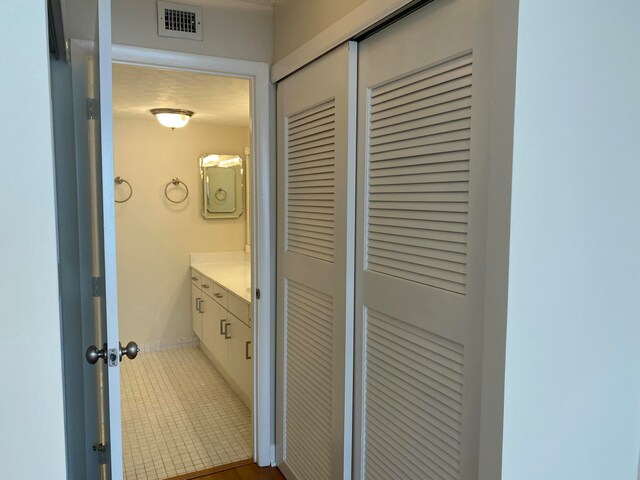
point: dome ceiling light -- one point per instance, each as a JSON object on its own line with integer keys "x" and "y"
{"x": 172, "y": 117}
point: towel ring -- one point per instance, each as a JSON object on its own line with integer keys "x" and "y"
{"x": 175, "y": 182}
{"x": 221, "y": 194}
{"x": 120, "y": 181}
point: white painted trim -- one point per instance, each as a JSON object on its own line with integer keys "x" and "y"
{"x": 355, "y": 22}
{"x": 263, "y": 205}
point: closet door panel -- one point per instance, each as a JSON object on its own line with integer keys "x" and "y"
{"x": 316, "y": 206}
{"x": 423, "y": 90}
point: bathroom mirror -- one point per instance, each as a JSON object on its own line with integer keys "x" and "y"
{"x": 223, "y": 180}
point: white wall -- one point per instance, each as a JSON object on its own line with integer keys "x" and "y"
{"x": 572, "y": 387}
{"x": 31, "y": 399}
{"x": 154, "y": 236}
{"x": 232, "y": 29}
{"x": 298, "y": 21}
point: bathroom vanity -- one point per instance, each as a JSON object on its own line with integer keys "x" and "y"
{"x": 222, "y": 316}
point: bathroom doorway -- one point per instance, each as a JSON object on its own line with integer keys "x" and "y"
{"x": 92, "y": 65}
{"x": 182, "y": 174}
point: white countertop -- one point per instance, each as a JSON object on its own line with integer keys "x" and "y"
{"x": 232, "y": 270}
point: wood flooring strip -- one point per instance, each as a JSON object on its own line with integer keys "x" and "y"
{"x": 214, "y": 470}
{"x": 248, "y": 472}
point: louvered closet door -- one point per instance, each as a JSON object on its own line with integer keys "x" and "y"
{"x": 422, "y": 161}
{"x": 316, "y": 206}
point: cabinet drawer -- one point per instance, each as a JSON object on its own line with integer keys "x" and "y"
{"x": 206, "y": 285}
{"x": 239, "y": 308}
{"x": 220, "y": 295}
{"x": 195, "y": 277}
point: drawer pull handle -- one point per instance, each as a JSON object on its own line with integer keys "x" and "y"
{"x": 226, "y": 331}
{"x": 222, "y": 326}
{"x": 195, "y": 279}
{"x": 217, "y": 295}
{"x": 247, "y": 356}
{"x": 205, "y": 286}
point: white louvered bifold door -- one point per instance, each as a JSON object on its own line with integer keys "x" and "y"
{"x": 423, "y": 86}
{"x": 316, "y": 206}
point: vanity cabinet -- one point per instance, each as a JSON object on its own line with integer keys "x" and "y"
{"x": 222, "y": 322}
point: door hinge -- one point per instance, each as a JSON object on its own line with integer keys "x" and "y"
{"x": 103, "y": 451}
{"x": 257, "y": 294}
{"x": 98, "y": 287}
{"x": 92, "y": 109}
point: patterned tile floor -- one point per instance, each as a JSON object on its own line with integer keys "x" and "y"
{"x": 179, "y": 416}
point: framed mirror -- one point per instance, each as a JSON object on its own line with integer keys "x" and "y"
{"x": 223, "y": 184}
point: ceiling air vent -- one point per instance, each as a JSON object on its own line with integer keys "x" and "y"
{"x": 179, "y": 21}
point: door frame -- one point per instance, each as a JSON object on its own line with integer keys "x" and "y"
{"x": 262, "y": 203}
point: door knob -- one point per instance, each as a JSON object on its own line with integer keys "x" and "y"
{"x": 131, "y": 350}
{"x": 93, "y": 354}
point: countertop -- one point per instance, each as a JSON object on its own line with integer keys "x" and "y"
{"x": 231, "y": 270}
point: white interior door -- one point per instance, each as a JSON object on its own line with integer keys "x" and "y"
{"x": 423, "y": 90}
{"x": 316, "y": 205}
{"x": 104, "y": 244}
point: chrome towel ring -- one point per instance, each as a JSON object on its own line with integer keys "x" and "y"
{"x": 120, "y": 181}
{"x": 176, "y": 182}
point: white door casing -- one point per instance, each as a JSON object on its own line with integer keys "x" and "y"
{"x": 423, "y": 112}
{"x": 316, "y": 206}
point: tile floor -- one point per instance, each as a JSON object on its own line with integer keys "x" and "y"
{"x": 179, "y": 416}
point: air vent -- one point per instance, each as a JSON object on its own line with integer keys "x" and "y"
{"x": 179, "y": 21}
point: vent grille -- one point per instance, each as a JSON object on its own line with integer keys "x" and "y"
{"x": 311, "y": 182}
{"x": 307, "y": 382}
{"x": 179, "y": 21}
{"x": 413, "y": 388}
{"x": 418, "y": 176}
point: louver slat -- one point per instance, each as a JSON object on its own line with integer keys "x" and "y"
{"x": 419, "y": 140}
{"x": 412, "y": 401}
{"x": 311, "y": 182}
{"x": 308, "y": 381}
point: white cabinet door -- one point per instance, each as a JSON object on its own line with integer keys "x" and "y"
{"x": 246, "y": 357}
{"x": 220, "y": 348}
{"x": 209, "y": 331}
{"x": 196, "y": 316}
{"x": 240, "y": 354}
{"x": 423, "y": 110}
{"x": 316, "y": 207}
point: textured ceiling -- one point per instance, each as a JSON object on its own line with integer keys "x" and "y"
{"x": 214, "y": 99}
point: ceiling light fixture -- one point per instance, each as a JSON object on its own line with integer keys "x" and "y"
{"x": 172, "y": 117}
